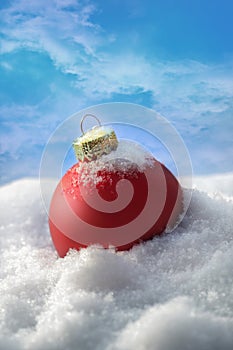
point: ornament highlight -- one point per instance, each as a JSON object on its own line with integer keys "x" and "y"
{"x": 116, "y": 195}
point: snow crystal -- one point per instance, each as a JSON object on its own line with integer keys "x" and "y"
{"x": 132, "y": 151}
{"x": 173, "y": 292}
{"x": 128, "y": 156}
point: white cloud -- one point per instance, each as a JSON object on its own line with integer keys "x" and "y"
{"x": 51, "y": 26}
{"x": 196, "y": 97}
{"x": 66, "y": 32}
{"x": 188, "y": 87}
{"x": 6, "y": 66}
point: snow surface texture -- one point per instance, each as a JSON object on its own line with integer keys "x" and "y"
{"x": 174, "y": 292}
{"x": 127, "y": 153}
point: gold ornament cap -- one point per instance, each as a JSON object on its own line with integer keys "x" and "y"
{"x": 95, "y": 142}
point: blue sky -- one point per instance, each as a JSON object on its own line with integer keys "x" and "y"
{"x": 60, "y": 56}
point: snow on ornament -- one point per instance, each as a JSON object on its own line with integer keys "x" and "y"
{"x": 116, "y": 195}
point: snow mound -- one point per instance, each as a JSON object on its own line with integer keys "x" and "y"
{"x": 173, "y": 292}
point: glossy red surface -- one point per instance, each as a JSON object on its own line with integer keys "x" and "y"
{"x": 79, "y": 214}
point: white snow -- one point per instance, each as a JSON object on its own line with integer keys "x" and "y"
{"x": 127, "y": 153}
{"x": 172, "y": 293}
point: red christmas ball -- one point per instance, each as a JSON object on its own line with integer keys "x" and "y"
{"x": 116, "y": 201}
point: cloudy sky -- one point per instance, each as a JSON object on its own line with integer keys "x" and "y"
{"x": 60, "y": 56}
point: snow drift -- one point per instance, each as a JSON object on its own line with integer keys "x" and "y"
{"x": 173, "y": 292}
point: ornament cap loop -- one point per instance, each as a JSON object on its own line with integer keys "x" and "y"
{"x": 95, "y": 142}
{"x": 84, "y": 117}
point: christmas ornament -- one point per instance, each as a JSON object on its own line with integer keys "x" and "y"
{"x": 116, "y": 195}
